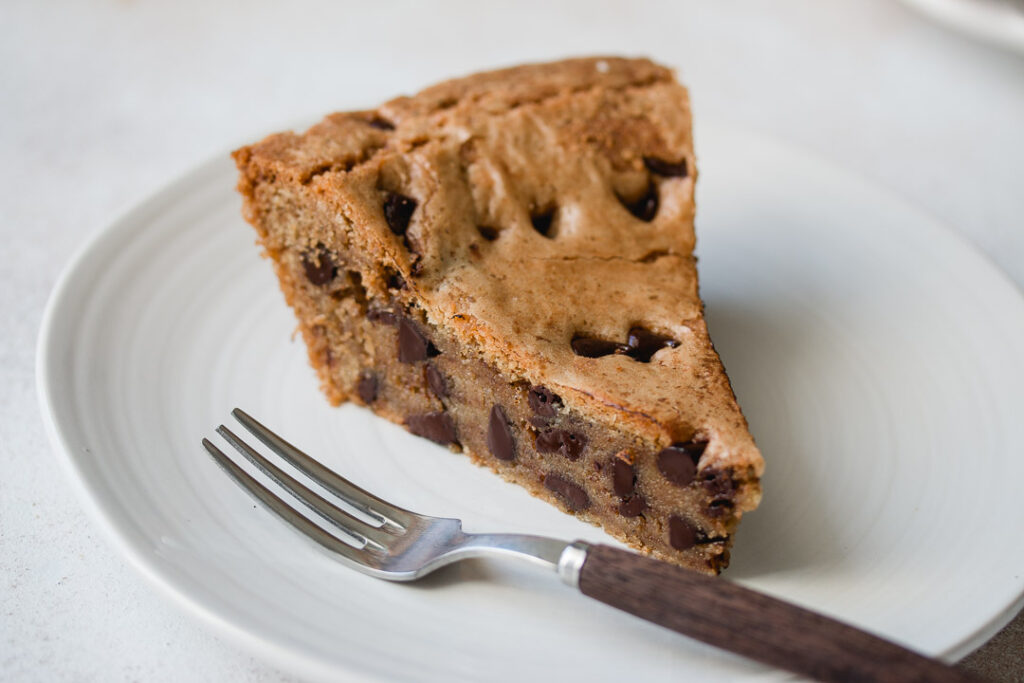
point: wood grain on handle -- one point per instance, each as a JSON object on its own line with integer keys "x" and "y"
{"x": 740, "y": 620}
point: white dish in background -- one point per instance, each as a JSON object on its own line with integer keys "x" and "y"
{"x": 1000, "y": 22}
{"x": 876, "y": 356}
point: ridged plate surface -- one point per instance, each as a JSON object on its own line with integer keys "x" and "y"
{"x": 878, "y": 359}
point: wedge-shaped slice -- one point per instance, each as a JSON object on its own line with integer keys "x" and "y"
{"x": 503, "y": 264}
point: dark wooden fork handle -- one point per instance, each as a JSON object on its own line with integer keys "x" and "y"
{"x": 740, "y": 620}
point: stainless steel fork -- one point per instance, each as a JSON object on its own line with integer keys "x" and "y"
{"x": 389, "y": 542}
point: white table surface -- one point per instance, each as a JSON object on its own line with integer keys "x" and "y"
{"x": 102, "y": 103}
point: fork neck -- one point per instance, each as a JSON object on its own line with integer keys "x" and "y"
{"x": 564, "y": 558}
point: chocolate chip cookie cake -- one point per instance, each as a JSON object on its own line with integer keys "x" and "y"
{"x": 503, "y": 264}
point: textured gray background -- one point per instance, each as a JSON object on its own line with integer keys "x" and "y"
{"x": 102, "y": 103}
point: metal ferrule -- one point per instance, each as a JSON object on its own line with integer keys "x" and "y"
{"x": 571, "y": 562}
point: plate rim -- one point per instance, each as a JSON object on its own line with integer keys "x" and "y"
{"x": 978, "y": 23}
{"x": 263, "y": 647}
{"x": 279, "y": 655}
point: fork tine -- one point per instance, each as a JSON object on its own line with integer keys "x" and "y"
{"x": 285, "y": 511}
{"x": 349, "y": 524}
{"x": 364, "y": 501}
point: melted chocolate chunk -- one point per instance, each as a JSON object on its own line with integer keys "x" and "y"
{"x": 705, "y": 540}
{"x": 623, "y": 478}
{"x": 542, "y": 221}
{"x": 394, "y": 279}
{"x": 643, "y": 343}
{"x": 569, "y": 444}
{"x": 413, "y": 346}
{"x": 720, "y": 507}
{"x": 488, "y": 233}
{"x": 537, "y": 422}
{"x": 417, "y": 267}
{"x": 645, "y": 208}
{"x": 378, "y": 315}
{"x": 380, "y": 123}
{"x": 681, "y": 534}
{"x": 499, "y": 435}
{"x": 366, "y": 386}
{"x": 319, "y": 266}
{"x": 435, "y": 380}
{"x": 591, "y": 347}
{"x": 678, "y": 462}
{"x": 398, "y": 211}
{"x": 438, "y": 427}
{"x": 543, "y": 401}
{"x": 718, "y": 483}
{"x": 632, "y": 507}
{"x": 668, "y": 169}
{"x": 573, "y": 495}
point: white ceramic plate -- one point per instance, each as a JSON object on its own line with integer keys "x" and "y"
{"x": 999, "y": 22}
{"x": 877, "y": 357}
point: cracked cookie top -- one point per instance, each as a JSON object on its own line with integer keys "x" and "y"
{"x": 543, "y": 216}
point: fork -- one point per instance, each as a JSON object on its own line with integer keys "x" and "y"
{"x": 391, "y": 543}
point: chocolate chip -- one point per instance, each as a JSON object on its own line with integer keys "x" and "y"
{"x": 488, "y": 233}
{"x": 366, "y": 386}
{"x": 499, "y": 435}
{"x": 678, "y": 462}
{"x": 591, "y": 347}
{"x": 354, "y": 288}
{"x": 394, "y": 279}
{"x": 666, "y": 168}
{"x": 379, "y": 315}
{"x": 537, "y": 422}
{"x": 319, "y": 266}
{"x": 705, "y": 540}
{"x": 413, "y": 346}
{"x": 632, "y": 507}
{"x": 645, "y": 208}
{"x": 438, "y": 427}
{"x": 380, "y": 123}
{"x": 623, "y": 478}
{"x": 435, "y": 380}
{"x": 573, "y": 495}
{"x": 542, "y": 221}
{"x": 543, "y": 401}
{"x": 681, "y": 534}
{"x": 569, "y": 444}
{"x": 398, "y": 211}
{"x": 720, "y": 507}
{"x": 718, "y": 483}
{"x": 643, "y": 343}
